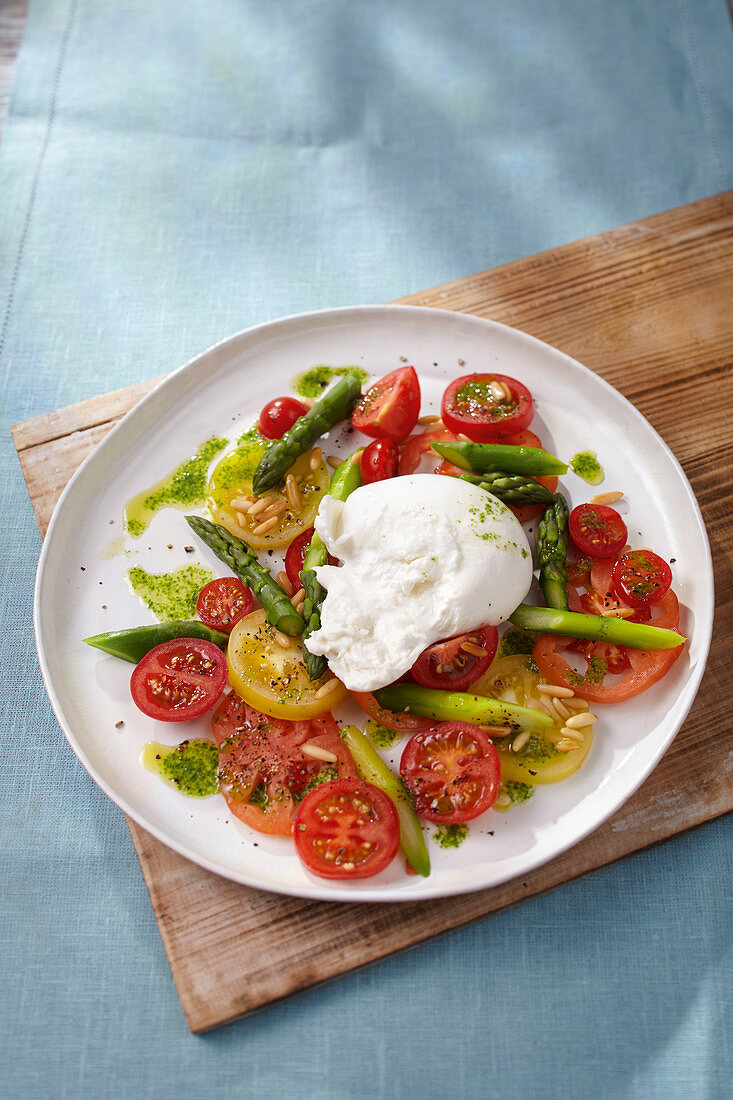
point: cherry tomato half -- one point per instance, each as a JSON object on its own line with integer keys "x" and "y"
{"x": 223, "y": 602}
{"x": 452, "y": 771}
{"x": 454, "y": 663}
{"x": 641, "y": 578}
{"x": 294, "y": 558}
{"x": 390, "y": 407}
{"x": 597, "y": 530}
{"x": 487, "y": 407}
{"x": 346, "y": 829}
{"x": 416, "y": 446}
{"x": 179, "y": 680}
{"x": 379, "y": 461}
{"x": 279, "y": 415}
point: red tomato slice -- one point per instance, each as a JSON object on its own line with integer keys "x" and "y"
{"x": 294, "y": 558}
{"x": 417, "y": 445}
{"x": 455, "y": 663}
{"x": 223, "y": 602}
{"x": 390, "y": 407}
{"x": 262, "y": 766}
{"x": 179, "y": 680}
{"x": 470, "y": 406}
{"x": 452, "y": 771}
{"x": 639, "y": 668}
{"x": 641, "y": 578}
{"x": 279, "y": 415}
{"x": 346, "y": 829}
{"x": 379, "y": 461}
{"x": 597, "y": 530}
{"x": 390, "y": 719}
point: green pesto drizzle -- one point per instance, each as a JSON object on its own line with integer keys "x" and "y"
{"x": 313, "y": 382}
{"x": 516, "y": 792}
{"x": 515, "y": 642}
{"x": 380, "y": 735}
{"x": 191, "y": 767}
{"x": 170, "y": 596}
{"x": 184, "y": 487}
{"x": 450, "y": 836}
{"x": 586, "y": 465}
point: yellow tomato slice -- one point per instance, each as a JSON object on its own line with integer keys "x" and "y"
{"x": 514, "y": 679}
{"x": 231, "y": 481}
{"x": 272, "y": 679}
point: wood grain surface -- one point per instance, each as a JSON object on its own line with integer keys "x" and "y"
{"x": 646, "y": 306}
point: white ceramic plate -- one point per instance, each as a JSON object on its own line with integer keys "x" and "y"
{"x": 83, "y": 567}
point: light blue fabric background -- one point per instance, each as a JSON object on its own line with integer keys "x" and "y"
{"x": 172, "y": 172}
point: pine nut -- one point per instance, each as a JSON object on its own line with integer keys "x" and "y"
{"x": 281, "y": 639}
{"x": 558, "y": 692}
{"x": 274, "y": 509}
{"x": 498, "y": 731}
{"x": 298, "y": 599}
{"x": 318, "y": 753}
{"x": 519, "y": 742}
{"x": 568, "y": 746}
{"x": 284, "y": 581}
{"x": 572, "y": 735}
{"x": 333, "y": 462}
{"x": 241, "y": 519}
{"x": 560, "y": 709}
{"x": 327, "y": 688}
{"x": 316, "y": 458}
{"x": 577, "y": 704}
{"x": 497, "y": 391}
{"x": 241, "y": 504}
{"x": 502, "y": 800}
{"x": 424, "y": 420}
{"x": 263, "y": 528}
{"x": 578, "y": 721}
{"x": 259, "y": 506}
{"x": 356, "y": 457}
{"x": 607, "y": 498}
{"x": 471, "y": 647}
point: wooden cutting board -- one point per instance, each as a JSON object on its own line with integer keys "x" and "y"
{"x": 648, "y": 307}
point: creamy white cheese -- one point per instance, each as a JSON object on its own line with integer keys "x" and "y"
{"x": 422, "y": 558}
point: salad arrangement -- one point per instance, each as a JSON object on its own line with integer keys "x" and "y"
{"x": 482, "y": 729}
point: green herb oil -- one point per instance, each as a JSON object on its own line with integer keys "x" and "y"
{"x": 183, "y": 488}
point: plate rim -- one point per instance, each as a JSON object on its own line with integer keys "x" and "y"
{"x": 316, "y": 891}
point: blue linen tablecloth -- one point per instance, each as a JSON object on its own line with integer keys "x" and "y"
{"x": 171, "y": 173}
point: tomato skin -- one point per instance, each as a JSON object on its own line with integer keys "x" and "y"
{"x": 469, "y": 407}
{"x": 379, "y": 461}
{"x": 641, "y": 578}
{"x": 346, "y": 829}
{"x": 257, "y": 751}
{"x": 452, "y": 771}
{"x": 391, "y": 720}
{"x": 223, "y": 602}
{"x": 417, "y": 445}
{"x": 294, "y": 558}
{"x": 279, "y": 415}
{"x": 597, "y": 530}
{"x": 447, "y": 667}
{"x": 179, "y": 680}
{"x": 390, "y": 407}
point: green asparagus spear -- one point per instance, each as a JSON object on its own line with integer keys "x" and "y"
{"x": 373, "y": 769}
{"x": 450, "y": 706}
{"x": 132, "y": 644}
{"x": 596, "y": 628}
{"x": 346, "y": 478}
{"x": 242, "y": 560}
{"x": 335, "y": 405}
{"x": 552, "y": 545}
{"x": 511, "y": 488}
{"x": 482, "y": 457}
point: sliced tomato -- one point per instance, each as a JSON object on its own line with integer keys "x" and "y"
{"x": 487, "y": 407}
{"x": 263, "y": 770}
{"x": 448, "y": 469}
{"x": 223, "y": 602}
{"x": 391, "y": 720}
{"x": 179, "y": 680}
{"x": 639, "y": 669}
{"x": 597, "y": 530}
{"x": 346, "y": 829}
{"x": 279, "y": 415}
{"x": 641, "y": 578}
{"x": 379, "y": 461}
{"x": 454, "y": 663}
{"x": 416, "y": 446}
{"x": 452, "y": 771}
{"x": 390, "y": 407}
{"x": 274, "y": 679}
{"x": 294, "y": 558}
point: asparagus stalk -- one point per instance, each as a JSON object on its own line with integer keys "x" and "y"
{"x": 346, "y": 478}
{"x": 511, "y": 488}
{"x": 483, "y": 457}
{"x": 242, "y": 560}
{"x": 335, "y": 405}
{"x": 552, "y": 545}
{"x": 132, "y": 644}
{"x": 373, "y": 769}
{"x": 449, "y": 706}
{"x": 596, "y": 628}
